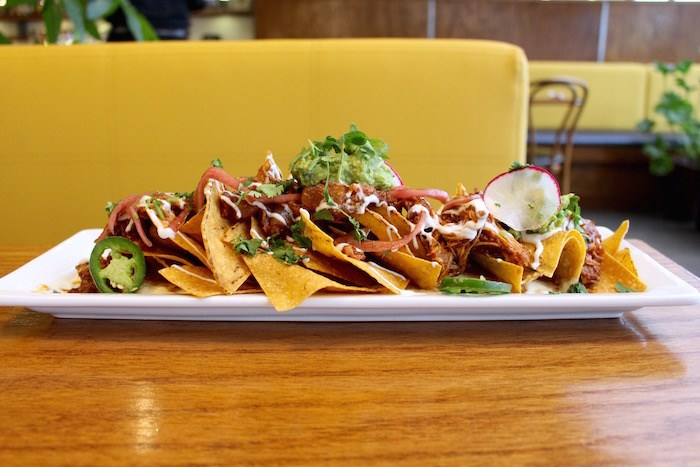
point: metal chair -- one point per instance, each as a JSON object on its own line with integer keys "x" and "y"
{"x": 567, "y": 94}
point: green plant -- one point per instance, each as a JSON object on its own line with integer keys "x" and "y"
{"x": 682, "y": 140}
{"x": 84, "y": 14}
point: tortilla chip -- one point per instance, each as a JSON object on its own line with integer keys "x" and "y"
{"x": 529, "y": 276}
{"x": 287, "y": 285}
{"x": 404, "y": 226}
{"x": 613, "y": 272}
{"x": 338, "y": 269}
{"x": 226, "y": 263}
{"x": 625, "y": 258}
{"x": 571, "y": 260}
{"x": 193, "y": 226}
{"x": 425, "y": 274}
{"x": 167, "y": 257}
{"x": 568, "y": 246}
{"x": 380, "y": 227}
{"x": 612, "y": 243}
{"x": 503, "y": 270}
{"x": 194, "y": 280}
{"x": 323, "y": 243}
{"x": 191, "y": 246}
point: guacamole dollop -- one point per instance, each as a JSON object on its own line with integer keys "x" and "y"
{"x": 569, "y": 211}
{"x": 353, "y": 158}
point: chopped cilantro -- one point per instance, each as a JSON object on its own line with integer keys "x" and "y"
{"x": 248, "y": 246}
{"x": 185, "y": 195}
{"x": 248, "y": 181}
{"x": 109, "y": 207}
{"x": 357, "y": 231}
{"x": 298, "y": 235}
{"x": 622, "y": 288}
{"x": 517, "y": 165}
{"x": 217, "y": 163}
{"x": 577, "y": 288}
{"x": 271, "y": 189}
{"x": 326, "y": 195}
{"x": 323, "y": 215}
{"x": 157, "y": 205}
{"x": 283, "y": 251}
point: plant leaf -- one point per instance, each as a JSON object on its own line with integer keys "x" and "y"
{"x": 74, "y": 9}
{"x": 14, "y": 3}
{"x": 646, "y": 126}
{"x": 684, "y": 66}
{"x": 662, "y": 67}
{"x": 97, "y": 9}
{"x": 137, "y": 23}
{"x": 661, "y": 166}
{"x": 52, "y": 14}
{"x": 4, "y": 40}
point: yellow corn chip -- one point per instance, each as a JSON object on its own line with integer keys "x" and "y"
{"x": 425, "y": 274}
{"x": 191, "y": 246}
{"x": 323, "y": 243}
{"x": 502, "y": 270}
{"x": 612, "y": 243}
{"x": 338, "y": 269}
{"x": 287, "y": 285}
{"x": 193, "y": 226}
{"x": 380, "y": 227}
{"x": 226, "y": 263}
{"x": 612, "y": 272}
{"x": 568, "y": 246}
{"x": 625, "y": 258}
{"x": 197, "y": 281}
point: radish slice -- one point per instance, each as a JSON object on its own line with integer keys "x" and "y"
{"x": 524, "y": 198}
{"x": 397, "y": 178}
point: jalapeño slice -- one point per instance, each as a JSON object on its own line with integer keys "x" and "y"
{"x": 471, "y": 285}
{"x": 125, "y": 269}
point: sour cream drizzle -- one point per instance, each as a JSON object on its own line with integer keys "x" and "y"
{"x": 269, "y": 213}
{"x": 233, "y": 205}
{"x": 464, "y": 230}
{"x": 165, "y": 206}
{"x": 537, "y": 239}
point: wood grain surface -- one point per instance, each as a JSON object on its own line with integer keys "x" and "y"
{"x": 340, "y": 18}
{"x": 545, "y": 30}
{"x": 646, "y": 32}
{"x": 97, "y": 392}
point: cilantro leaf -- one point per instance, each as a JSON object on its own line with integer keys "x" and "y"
{"x": 283, "y": 251}
{"x": 248, "y": 246}
{"x": 357, "y": 231}
{"x": 622, "y": 288}
{"x": 577, "y": 288}
{"x": 217, "y": 163}
{"x": 109, "y": 207}
{"x": 248, "y": 181}
{"x": 323, "y": 215}
{"x": 271, "y": 189}
{"x": 516, "y": 165}
{"x": 298, "y": 235}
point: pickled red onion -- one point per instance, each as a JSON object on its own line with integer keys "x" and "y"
{"x": 378, "y": 246}
{"x": 401, "y": 192}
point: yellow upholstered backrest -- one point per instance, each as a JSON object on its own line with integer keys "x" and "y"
{"x": 82, "y": 125}
{"x": 616, "y": 98}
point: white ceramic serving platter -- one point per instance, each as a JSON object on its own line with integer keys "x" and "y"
{"x": 53, "y": 267}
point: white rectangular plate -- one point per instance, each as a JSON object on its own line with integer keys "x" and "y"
{"x": 19, "y": 289}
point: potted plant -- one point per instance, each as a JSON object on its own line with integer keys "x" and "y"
{"x": 675, "y": 153}
{"x": 83, "y": 14}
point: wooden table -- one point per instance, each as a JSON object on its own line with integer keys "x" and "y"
{"x": 96, "y": 392}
